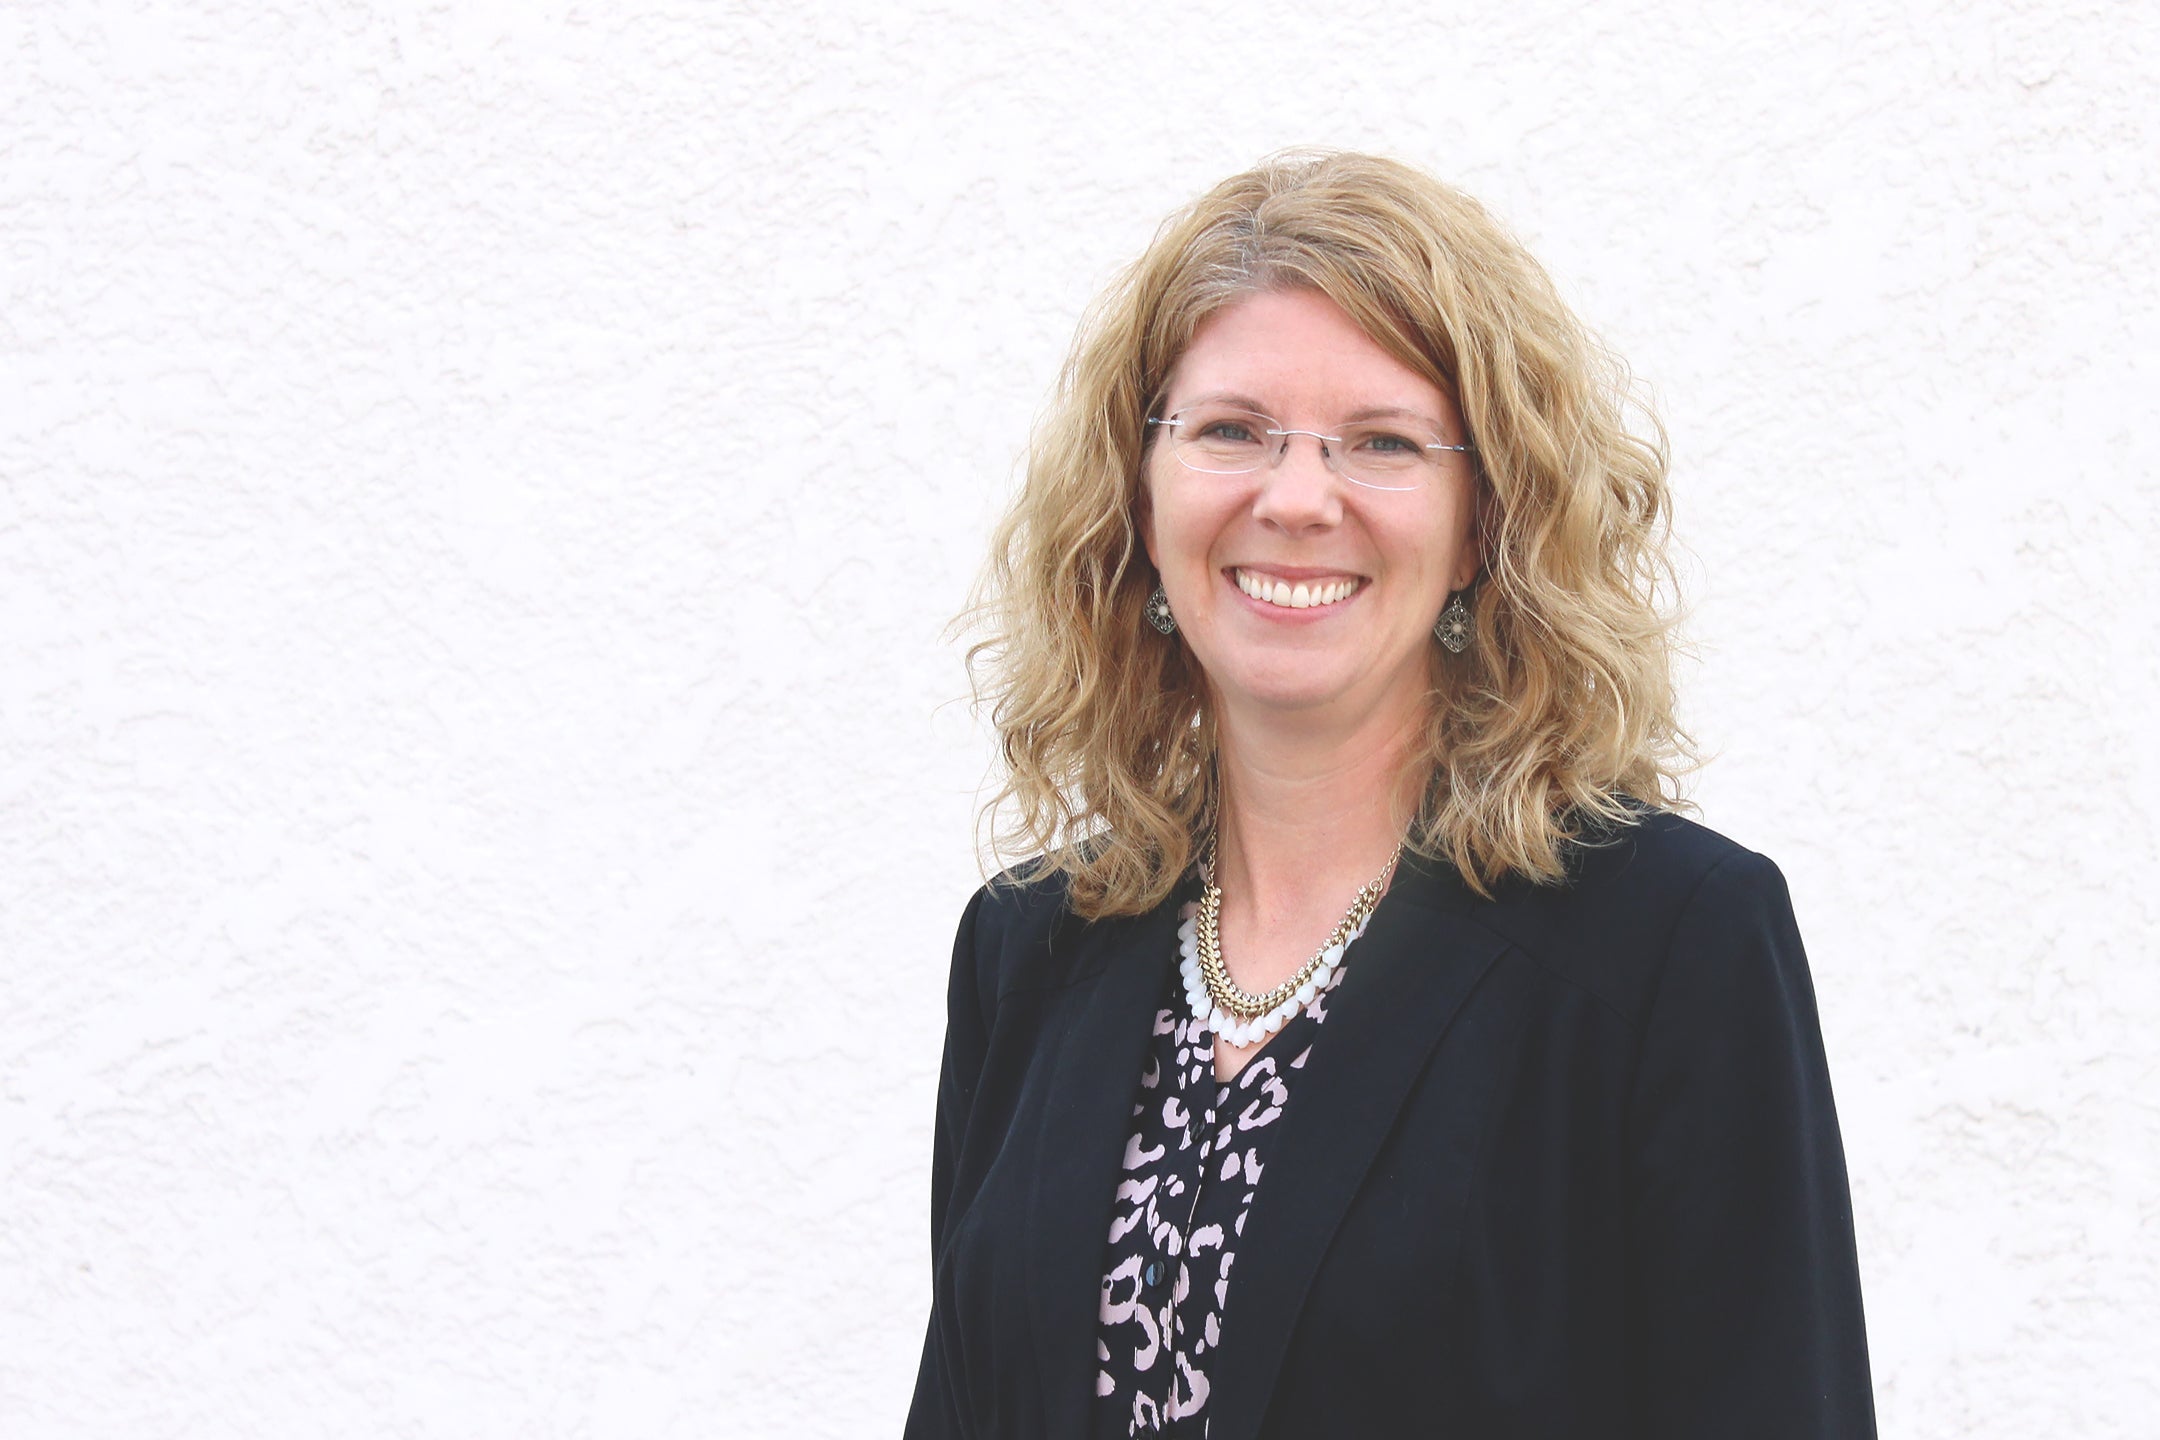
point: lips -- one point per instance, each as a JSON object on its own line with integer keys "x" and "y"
{"x": 1303, "y": 593}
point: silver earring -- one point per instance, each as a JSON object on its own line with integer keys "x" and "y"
{"x": 1452, "y": 629}
{"x": 1158, "y": 612}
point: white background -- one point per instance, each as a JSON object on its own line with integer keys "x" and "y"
{"x": 485, "y": 796}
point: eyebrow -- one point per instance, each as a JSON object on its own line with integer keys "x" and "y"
{"x": 1391, "y": 412}
{"x": 1225, "y": 397}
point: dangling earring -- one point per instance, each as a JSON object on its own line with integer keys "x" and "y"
{"x": 1158, "y": 612}
{"x": 1452, "y": 629}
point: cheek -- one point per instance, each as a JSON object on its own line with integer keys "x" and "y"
{"x": 1181, "y": 525}
{"x": 1455, "y": 549}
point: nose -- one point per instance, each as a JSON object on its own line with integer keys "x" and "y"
{"x": 1297, "y": 487}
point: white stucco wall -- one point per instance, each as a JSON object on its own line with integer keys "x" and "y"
{"x": 483, "y": 807}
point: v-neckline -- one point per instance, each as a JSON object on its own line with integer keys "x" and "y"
{"x": 1226, "y": 1081}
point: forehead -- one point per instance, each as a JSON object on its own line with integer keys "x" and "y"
{"x": 1296, "y": 349}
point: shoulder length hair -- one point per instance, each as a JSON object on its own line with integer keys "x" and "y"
{"x": 1556, "y": 722}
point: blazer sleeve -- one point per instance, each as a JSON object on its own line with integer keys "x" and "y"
{"x": 1746, "y": 1281}
{"x": 935, "y": 1412}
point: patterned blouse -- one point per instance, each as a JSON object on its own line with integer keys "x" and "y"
{"x": 1192, "y": 1167}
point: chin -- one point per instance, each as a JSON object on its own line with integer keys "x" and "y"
{"x": 1282, "y": 688}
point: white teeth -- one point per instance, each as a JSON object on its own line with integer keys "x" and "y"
{"x": 1294, "y": 597}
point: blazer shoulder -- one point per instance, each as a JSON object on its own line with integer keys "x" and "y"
{"x": 1012, "y": 931}
{"x": 1611, "y": 927}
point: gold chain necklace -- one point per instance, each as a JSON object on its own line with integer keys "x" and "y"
{"x": 1246, "y": 1010}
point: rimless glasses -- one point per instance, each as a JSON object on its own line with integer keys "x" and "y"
{"x": 1392, "y": 453}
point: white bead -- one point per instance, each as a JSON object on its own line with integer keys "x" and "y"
{"x": 1305, "y": 992}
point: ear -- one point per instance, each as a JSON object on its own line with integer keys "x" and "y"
{"x": 1471, "y": 562}
{"x": 1143, "y": 506}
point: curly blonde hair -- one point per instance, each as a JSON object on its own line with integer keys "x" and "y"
{"x": 1555, "y": 723}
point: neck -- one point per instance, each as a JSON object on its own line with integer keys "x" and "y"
{"x": 1310, "y": 814}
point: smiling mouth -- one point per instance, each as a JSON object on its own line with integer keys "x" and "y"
{"x": 1297, "y": 595}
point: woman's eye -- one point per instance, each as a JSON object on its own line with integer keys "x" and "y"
{"x": 1229, "y": 430}
{"x": 1381, "y": 442}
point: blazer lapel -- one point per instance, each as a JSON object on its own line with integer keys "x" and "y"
{"x": 1087, "y": 1118}
{"x": 1406, "y": 979}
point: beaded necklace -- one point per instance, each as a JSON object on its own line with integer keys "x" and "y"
{"x": 1236, "y": 1014}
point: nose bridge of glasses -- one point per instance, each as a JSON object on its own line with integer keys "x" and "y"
{"x": 1331, "y": 447}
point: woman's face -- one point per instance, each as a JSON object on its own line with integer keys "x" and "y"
{"x": 1391, "y": 555}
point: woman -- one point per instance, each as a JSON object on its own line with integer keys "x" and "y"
{"x": 1370, "y": 1051}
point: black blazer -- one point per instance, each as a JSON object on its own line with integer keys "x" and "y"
{"x": 1564, "y": 1163}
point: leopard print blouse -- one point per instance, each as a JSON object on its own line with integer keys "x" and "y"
{"x": 1192, "y": 1166}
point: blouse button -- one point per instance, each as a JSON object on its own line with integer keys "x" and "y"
{"x": 1154, "y": 1274}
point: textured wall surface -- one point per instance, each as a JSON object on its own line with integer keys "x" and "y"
{"x": 485, "y": 795}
